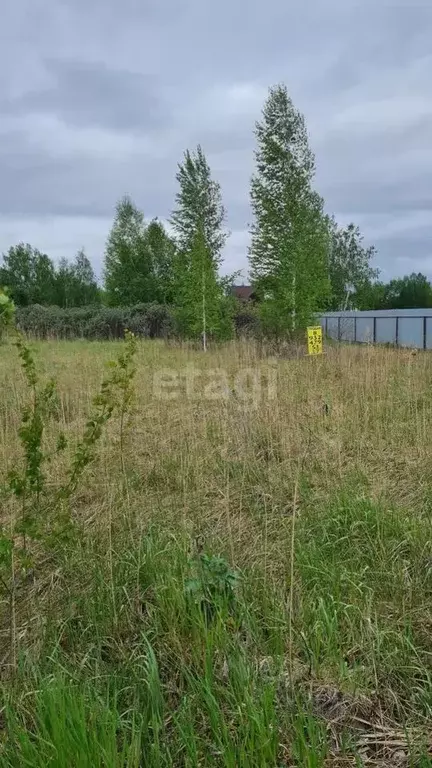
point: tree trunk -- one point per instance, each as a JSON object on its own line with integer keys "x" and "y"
{"x": 293, "y": 317}
{"x": 204, "y": 332}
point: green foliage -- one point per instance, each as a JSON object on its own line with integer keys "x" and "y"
{"x": 212, "y": 586}
{"x": 129, "y": 276}
{"x": 202, "y": 306}
{"x": 29, "y": 275}
{"x": 199, "y": 207}
{"x": 247, "y": 321}
{"x": 138, "y": 259}
{"x": 32, "y": 278}
{"x": 147, "y": 320}
{"x": 410, "y": 292}
{"x": 153, "y": 321}
{"x": 7, "y": 313}
{"x": 125, "y": 372}
{"x": 76, "y": 284}
{"x": 127, "y": 675}
{"x": 289, "y": 250}
{"x": 6, "y": 547}
{"x": 115, "y": 395}
{"x": 173, "y": 692}
{"x": 28, "y": 483}
{"x": 352, "y": 554}
{"x": 45, "y": 516}
{"x": 163, "y": 251}
{"x": 198, "y": 221}
{"x": 350, "y": 267}
{"x": 31, "y": 481}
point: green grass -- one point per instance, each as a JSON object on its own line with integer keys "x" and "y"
{"x": 162, "y": 635}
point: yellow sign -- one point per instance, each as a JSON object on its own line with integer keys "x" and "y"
{"x": 315, "y": 341}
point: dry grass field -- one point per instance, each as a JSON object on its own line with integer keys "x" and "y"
{"x": 250, "y": 578}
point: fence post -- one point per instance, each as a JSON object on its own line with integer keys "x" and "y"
{"x": 326, "y": 326}
{"x": 355, "y": 328}
{"x": 397, "y": 330}
{"x": 425, "y": 332}
{"x": 374, "y": 329}
{"x": 339, "y": 328}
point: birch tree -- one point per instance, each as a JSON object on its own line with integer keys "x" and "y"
{"x": 198, "y": 223}
{"x": 289, "y": 243}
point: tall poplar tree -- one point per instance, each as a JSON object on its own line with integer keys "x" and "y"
{"x": 289, "y": 247}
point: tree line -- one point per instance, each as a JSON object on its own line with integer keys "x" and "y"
{"x": 301, "y": 260}
{"x": 31, "y": 277}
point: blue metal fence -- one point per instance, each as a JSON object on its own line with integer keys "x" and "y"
{"x": 402, "y": 327}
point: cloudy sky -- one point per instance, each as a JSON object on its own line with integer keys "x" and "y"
{"x": 99, "y": 98}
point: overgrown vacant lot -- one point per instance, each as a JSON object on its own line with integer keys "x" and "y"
{"x": 248, "y": 577}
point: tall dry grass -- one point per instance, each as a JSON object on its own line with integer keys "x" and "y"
{"x": 337, "y": 612}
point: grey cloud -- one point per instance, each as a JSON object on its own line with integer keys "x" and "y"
{"x": 385, "y": 172}
{"x": 44, "y": 184}
{"x": 89, "y": 93}
{"x": 402, "y": 255}
{"x": 380, "y": 197}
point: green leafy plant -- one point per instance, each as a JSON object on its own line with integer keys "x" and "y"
{"x": 44, "y": 513}
{"x": 124, "y": 381}
{"x": 7, "y": 312}
{"x": 116, "y": 393}
{"x": 28, "y": 483}
{"x": 212, "y": 586}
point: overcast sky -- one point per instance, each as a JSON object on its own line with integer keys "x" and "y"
{"x": 99, "y": 98}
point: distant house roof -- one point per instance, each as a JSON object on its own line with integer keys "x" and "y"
{"x": 243, "y": 292}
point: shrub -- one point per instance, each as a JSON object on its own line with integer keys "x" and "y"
{"x": 153, "y": 321}
{"x": 247, "y": 322}
{"x": 148, "y": 320}
{"x": 54, "y": 322}
{"x": 106, "y": 323}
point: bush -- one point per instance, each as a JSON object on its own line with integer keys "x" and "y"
{"x": 107, "y": 323}
{"x": 55, "y": 322}
{"x": 147, "y": 320}
{"x": 153, "y": 321}
{"x": 247, "y": 322}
